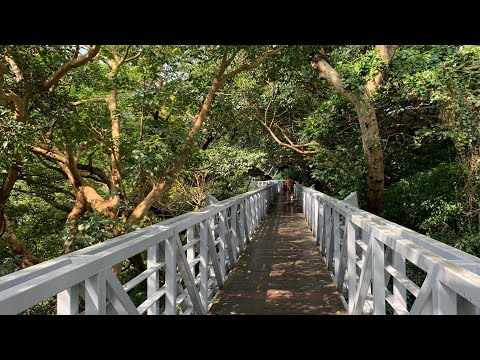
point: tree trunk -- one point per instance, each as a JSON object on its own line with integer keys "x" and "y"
{"x": 18, "y": 248}
{"x": 372, "y": 150}
{"x": 166, "y": 182}
{"x": 371, "y": 141}
{"x": 115, "y": 151}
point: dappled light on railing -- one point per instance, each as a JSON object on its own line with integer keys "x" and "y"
{"x": 188, "y": 260}
{"x": 369, "y": 257}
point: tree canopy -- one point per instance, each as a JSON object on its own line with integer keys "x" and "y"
{"x": 98, "y": 140}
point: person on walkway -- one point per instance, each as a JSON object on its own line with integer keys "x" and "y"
{"x": 290, "y": 182}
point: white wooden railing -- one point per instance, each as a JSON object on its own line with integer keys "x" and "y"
{"x": 215, "y": 237}
{"x": 367, "y": 256}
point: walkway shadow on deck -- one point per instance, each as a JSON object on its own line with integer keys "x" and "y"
{"x": 281, "y": 271}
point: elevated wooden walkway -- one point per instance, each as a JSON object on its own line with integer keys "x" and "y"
{"x": 281, "y": 271}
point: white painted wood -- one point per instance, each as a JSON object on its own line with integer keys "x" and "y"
{"x": 444, "y": 300}
{"x": 222, "y": 241}
{"x": 404, "y": 281}
{"x": 364, "y": 282}
{"x": 241, "y": 229}
{"x": 351, "y": 259}
{"x": 248, "y": 223}
{"x": 117, "y": 296}
{"x": 465, "y": 307}
{"x": 68, "y": 301}
{"x": 231, "y": 250}
{"x": 329, "y": 238}
{"x": 191, "y": 240}
{"x": 154, "y": 298}
{"x": 378, "y": 258}
{"x": 153, "y": 280}
{"x": 170, "y": 276}
{"x": 141, "y": 277}
{"x": 399, "y": 289}
{"x": 213, "y": 256}
{"x": 210, "y": 199}
{"x": 336, "y": 244}
{"x": 362, "y": 246}
{"x": 234, "y": 232}
{"x": 203, "y": 267}
{"x": 322, "y": 229}
{"x": 318, "y": 237}
{"x": 189, "y": 279}
{"x": 352, "y": 199}
{"x": 96, "y": 294}
{"x": 25, "y": 288}
{"x": 343, "y": 263}
{"x": 421, "y": 303}
{"x": 396, "y": 305}
{"x": 254, "y": 208}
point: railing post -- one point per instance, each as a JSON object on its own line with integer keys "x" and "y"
{"x": 222, "y": 243}
{"x": 203, "y": 268}
{"x": 328, "y": 237}
{"x": 315, "y": 218}
{"x": 233, "y": 232}
{"x": 352, "y": 265}
{"x": 248, "y": 222}
{"x": 153, "y": 280}
{"x": 96, "y": 294}
{"x": 336, "y": 244}
{"x": 378, "y": 269}
{"x": 263, "y": 205}
{"x": 256, "y": 204}
{"x": 312, "y": 212}
{"x": 170, "y": 276}
{"x": 309, "y": 210}
{"x": 241, "y": 227}
{"x": 399, "y": 290}
{"x": 191, "y": 250}
{"x": 252, "y": 215}
{"x": 321, "y": 230}
{"x": 68, "y": 301}
{"x": 304, "y": 201}
{"x": 444, "y": 300}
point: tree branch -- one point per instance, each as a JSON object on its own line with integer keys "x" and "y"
{"x": 252, "y": 65}
{"x": 102, "y": 176}
{"x": 51, "y": 152}
{"x": 131, "y": 58}
{"x": 386, "y": 53}
{"x": 11, "y": 96}
{"x": 9, "y": 182}
{"x": 15, "y": 68}
{"x": 92, "y": 100}
{"x": 295, "y": 148}
{"x": 109, "y": 62}
{"x": 325, "y": 71}
{"x": 73, "y": 63}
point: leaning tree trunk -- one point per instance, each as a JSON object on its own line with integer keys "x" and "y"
{"x": 372, "y": 150}
{"x": 372, "y": 144}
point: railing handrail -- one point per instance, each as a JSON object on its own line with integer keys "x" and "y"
{"x": 459, "y": 271}
{"x": 436, "y": 247}
{"x": 25, "y": 288}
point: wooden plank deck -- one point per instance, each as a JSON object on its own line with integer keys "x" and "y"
{"x": 280, "y": 273}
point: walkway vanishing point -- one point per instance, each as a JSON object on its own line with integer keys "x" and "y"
{"x": 251, "y": 254}
{"x": 281, "y": 272}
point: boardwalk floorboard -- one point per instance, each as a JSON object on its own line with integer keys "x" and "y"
{"x": 280, "y": 273}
